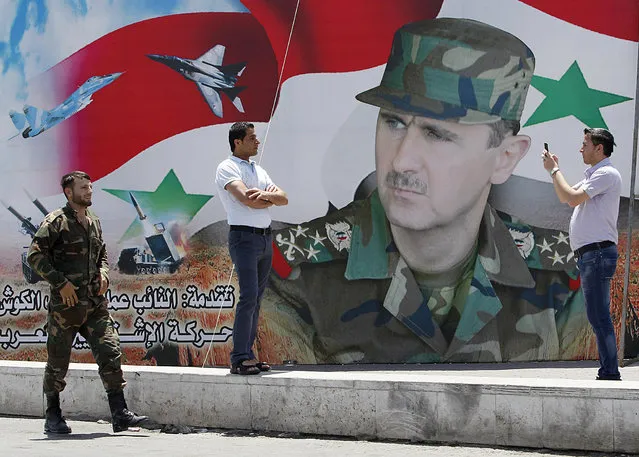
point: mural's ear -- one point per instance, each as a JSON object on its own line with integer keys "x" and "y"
{"x": 511, "y": 150}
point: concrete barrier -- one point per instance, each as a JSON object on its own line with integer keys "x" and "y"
{"x": 432, "y": 406}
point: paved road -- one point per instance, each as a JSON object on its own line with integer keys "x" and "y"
{"x": 23, "y": 437}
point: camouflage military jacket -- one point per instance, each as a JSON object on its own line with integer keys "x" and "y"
{"x": 63, "y": 250}
{"x": 342, "y": 293}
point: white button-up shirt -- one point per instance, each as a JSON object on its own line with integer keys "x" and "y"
{"x": 595, "y": 219}
{"x": 252, "y": 175}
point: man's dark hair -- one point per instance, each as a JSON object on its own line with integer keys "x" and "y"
{"x": 500, "y": 129}
{"x": 603, "y": 137}
{"x": 238, "y": 132}
{"x": 68, "y": 179}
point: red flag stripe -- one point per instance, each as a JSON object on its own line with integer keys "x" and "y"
{"x": 336, "y": 35}
{"x": 279, "y": 263}
{"x": 616, "y": 18}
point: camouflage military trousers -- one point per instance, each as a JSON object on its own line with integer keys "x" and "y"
{"x": 91, "y": 319}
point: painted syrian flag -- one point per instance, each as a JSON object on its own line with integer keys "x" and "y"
{"x": 151, "y": 102}
{"x": 152, "y": 129}
{"x": 585, "y": 75}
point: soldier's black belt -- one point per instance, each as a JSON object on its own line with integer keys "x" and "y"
{"x": 246, "y": 228}
{"x": 593, "y": 247}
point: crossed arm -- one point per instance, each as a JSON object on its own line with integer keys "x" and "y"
{"x": 256, "y": 198}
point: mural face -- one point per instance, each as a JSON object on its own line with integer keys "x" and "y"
{"x": 427, "y": 268}
{"x": 431, "y": 173}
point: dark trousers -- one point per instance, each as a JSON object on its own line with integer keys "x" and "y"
{"x": 597, "y": 269}
{"x": 91, "y": 319}
{"x": 251, "y": 254}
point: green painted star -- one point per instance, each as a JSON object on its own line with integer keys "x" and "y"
{"x": 571, "y": 96}
{"x": 168, "y": 203}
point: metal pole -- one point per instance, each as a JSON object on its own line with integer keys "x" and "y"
{"x": 633, "y": 175}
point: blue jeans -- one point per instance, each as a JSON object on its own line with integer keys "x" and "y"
{"x": 251, "y": 254}
{"x": 597, "y": 268}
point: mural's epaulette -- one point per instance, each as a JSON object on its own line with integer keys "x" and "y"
{"x": 542, "y": 249}
{"x": 320, "y": 240}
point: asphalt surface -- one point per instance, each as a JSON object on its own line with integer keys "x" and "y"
{"x": 24, "y": 437}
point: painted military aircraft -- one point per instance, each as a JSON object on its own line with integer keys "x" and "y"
{"x": 34, "y": 121}
{"x": 210, "y": 76}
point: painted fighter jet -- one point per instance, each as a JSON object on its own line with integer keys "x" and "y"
{"x": 34, "y": 121}
{"x": 210, "y": 76}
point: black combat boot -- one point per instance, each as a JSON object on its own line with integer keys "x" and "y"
{"x": 122, "y": 418}
{"x": 54, "y": 422}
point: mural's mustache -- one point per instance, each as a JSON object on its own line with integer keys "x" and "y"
{"x": 405, "y": 181}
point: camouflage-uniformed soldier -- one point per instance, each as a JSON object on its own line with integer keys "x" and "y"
{"x": 424, "y": 270}
{"x": 69, "y": 253}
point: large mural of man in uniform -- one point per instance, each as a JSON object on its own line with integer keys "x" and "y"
{"x": 420, "y": 227}
{"x": 423, "y": 269}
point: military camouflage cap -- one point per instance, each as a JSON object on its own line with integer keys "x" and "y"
{"x": 455, "y": 69}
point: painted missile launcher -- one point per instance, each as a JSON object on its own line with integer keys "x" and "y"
{"x": 160, "y": 255}
{"x": 28, "y": 228}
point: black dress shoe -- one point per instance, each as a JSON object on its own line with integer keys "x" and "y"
{"x": 607, "y": 377}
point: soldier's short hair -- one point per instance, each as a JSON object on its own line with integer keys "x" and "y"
{"x": 238, "y": 132}
{"x": 68, "y": 179}
{"x": 603, "y": 137}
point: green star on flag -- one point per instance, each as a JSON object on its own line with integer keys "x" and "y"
{"x": 169, "y": 202}
{"x": 571, "y": 96}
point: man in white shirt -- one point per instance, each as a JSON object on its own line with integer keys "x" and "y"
{"x": 247, "y": 193}
{"x": 593, "y": 236}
